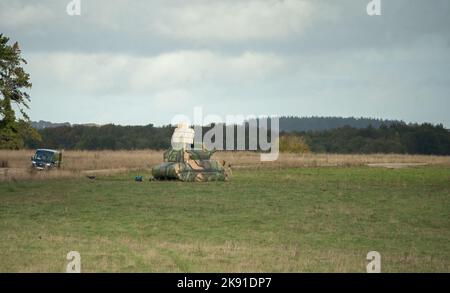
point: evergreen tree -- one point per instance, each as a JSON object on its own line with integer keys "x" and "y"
{"x": 13, "y": 83}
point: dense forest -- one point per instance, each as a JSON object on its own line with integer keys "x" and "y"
{"x": 287, "y": 123}
{"x": 396, "y": 138}
{"x": 111, "y": 137}
{"x": 291, "y": 123}
{"x": 390, "y": 137}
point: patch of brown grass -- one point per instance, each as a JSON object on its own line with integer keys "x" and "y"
{"x": 81, "y": 163}
{"x": 78, "y": 163}
{"x": 246, "y": 160}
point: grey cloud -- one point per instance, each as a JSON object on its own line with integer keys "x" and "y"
{"x": 309, "y": 57}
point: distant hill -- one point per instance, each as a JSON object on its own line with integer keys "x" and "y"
{"x": 41, "y": 124}
{"x": 289, "y": 124}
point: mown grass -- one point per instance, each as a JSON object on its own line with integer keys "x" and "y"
{"x": 288, "y": 220}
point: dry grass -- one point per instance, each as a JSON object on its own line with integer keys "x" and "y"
{"x": 89, "y": 160}
{"x": 16, "y": 164}
{"x": 248, "y": 160}
{"x": 78, "y": 163}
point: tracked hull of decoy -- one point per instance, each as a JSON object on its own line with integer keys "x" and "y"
{"x": 190, "y": 166}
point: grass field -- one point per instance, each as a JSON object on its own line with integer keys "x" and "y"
{"x": 82, "y": 163}
{"x": 309, "y": 219}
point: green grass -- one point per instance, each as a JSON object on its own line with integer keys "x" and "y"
{"x": 290, "y": 220}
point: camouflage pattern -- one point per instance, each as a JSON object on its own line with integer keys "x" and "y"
{"x": 190, "y": 166}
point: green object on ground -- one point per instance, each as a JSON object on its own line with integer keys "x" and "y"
{"x": 190, "y": 165}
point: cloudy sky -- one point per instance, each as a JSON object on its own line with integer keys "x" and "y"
{"x": 140, "y": 62}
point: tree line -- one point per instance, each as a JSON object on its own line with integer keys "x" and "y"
{"x": 395, "y": 138}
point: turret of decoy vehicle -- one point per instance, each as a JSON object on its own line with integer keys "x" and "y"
{"x": 185, "y": 163}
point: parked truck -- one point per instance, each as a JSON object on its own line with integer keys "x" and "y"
{"x": 46, "y": 159}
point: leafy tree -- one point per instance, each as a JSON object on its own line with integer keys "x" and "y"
{"x": 293, "y": 144}
{"x": 13, "y": 83}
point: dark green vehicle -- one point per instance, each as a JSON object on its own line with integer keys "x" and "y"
{"x": 191, "y": 165}
{"x": 46, "y": 159}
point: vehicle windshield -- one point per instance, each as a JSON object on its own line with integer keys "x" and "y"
{"x": 45, "y": 156}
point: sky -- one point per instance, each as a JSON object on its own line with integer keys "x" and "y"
{"x": 140, "y": 62}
